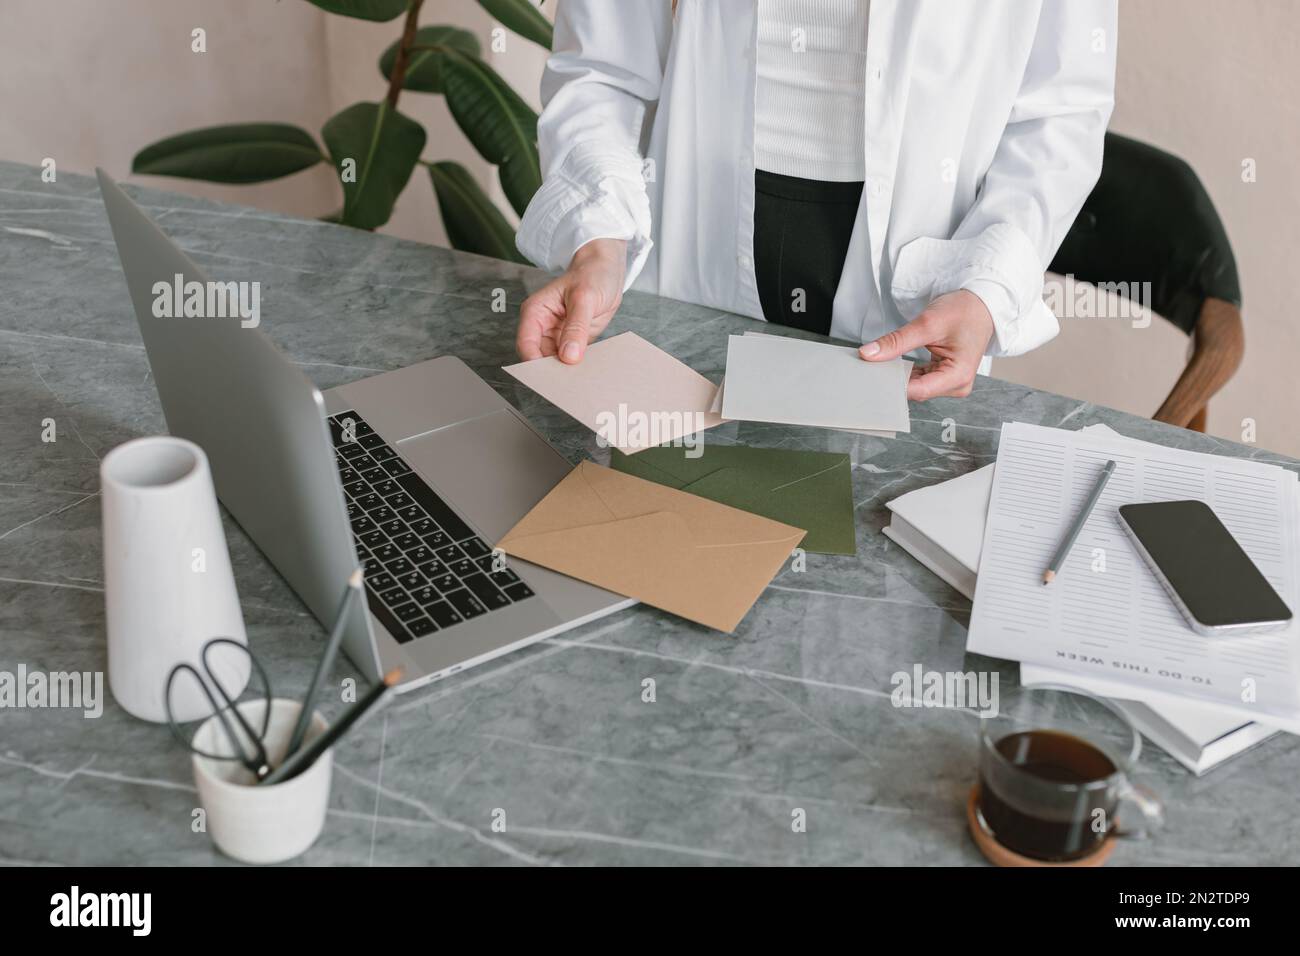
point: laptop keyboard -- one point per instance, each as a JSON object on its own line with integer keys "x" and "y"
{"x": 425, "y": 570}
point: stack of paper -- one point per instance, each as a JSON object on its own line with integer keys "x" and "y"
{"x": 1107, "y": 615}
{"x": 942, "y": 526}
{"x": 772, "y": 378}
{"x": 629, "y": 392}
{"x": 807, "y": 489}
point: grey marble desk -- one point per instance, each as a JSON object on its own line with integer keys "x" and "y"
{"x": 791, "y": 712}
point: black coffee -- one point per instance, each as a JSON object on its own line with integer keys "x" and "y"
{"x": 1038, "y": 825}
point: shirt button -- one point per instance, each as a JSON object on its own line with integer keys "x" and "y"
{"x": 744, "y": 261}
{"x": 877, "y": 189}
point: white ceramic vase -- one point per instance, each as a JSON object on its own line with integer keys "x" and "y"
{"x": 168, "y": 586}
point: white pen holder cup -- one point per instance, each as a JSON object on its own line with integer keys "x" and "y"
{"x": 270, "y": 823}
{"x": 168, "y": 585}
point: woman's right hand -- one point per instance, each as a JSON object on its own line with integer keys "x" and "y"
{"x": 569, "y": 312}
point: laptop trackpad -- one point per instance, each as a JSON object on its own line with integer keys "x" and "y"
{"x": 492, "y": 469}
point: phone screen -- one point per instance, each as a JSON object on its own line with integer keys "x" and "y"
{"x": 1203, "y": 564}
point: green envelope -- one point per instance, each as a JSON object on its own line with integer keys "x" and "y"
{"x": 812, "y": 490}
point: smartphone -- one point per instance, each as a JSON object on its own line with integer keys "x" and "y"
{"x": 1215, "y": 585}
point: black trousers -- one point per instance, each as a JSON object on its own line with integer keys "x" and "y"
{"x": 802, "y": 229}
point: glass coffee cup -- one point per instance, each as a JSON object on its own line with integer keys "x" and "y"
{"x": 1055, "y": 775}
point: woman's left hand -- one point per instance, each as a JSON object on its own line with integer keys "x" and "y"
{"x": 956, "y": 328}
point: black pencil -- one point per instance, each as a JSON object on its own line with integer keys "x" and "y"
{"x": 297, "y": 762}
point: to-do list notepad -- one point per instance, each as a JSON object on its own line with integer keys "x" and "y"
{"x": 1107, "y": 615}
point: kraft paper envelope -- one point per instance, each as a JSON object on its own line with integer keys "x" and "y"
{"x": 812, "y": 490}
{"x": 678, "y": 552}
{"x": 776, "y": 379}
{"x": 631, "y": 393}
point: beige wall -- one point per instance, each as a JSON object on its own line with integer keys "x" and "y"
{"x": 1215, "y": 83}
{"x": 90, "y": 82}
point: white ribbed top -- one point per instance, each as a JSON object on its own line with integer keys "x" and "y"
{"x": 808, "y": 106}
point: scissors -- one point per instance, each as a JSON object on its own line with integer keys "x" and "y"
{"x": 247, "y": 747}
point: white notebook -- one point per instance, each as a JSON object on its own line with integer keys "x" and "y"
{"x": 1198, "y": 736}
{"x": 1118, "y": 624}
{"x": 942, "y": 526}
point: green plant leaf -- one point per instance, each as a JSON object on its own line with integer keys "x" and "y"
{"x": 364, "y": 9}
{"x": 502, "y": 127}
{"x": 385, "y": 146}
{"x": 234, "y": 153}
{"x": 473, "y": 223}
{"x": 522, "y": 17}
{"x": 424, "y": 68}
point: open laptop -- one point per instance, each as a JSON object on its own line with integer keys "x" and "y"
{"x": 413, "y": 474}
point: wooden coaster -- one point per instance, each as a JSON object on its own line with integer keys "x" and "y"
{"x": 999, "y": 855}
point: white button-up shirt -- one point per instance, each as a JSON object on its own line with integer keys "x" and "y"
{"x": 984, "y": 128}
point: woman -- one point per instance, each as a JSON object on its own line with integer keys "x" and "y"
{"x": 897, "y": 174}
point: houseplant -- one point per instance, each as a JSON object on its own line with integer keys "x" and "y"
{"x": 374, "y": 148}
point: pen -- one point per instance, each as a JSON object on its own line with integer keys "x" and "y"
{"x": 296, "y": 763}
{"x": 324, "y": 664}
{"x": 1068, "y": 541}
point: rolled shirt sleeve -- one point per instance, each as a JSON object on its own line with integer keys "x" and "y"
{"x": 1046, "y": 164}
{"x": 596, "y": 193}
{"x": 605, "y": 68}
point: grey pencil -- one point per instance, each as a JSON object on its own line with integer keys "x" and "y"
{"x": 1080, "y": 520}
{"x": 325, "y": 663}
